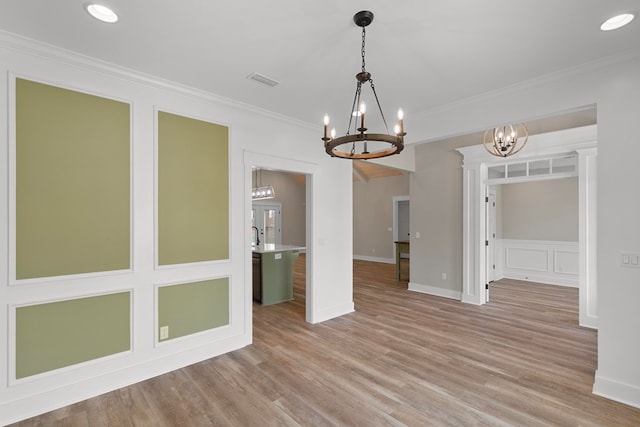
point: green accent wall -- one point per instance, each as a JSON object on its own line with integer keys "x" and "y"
{"x": 58, "y": 334}
{"x": 193, "y": 190}
{"x": 72, "y": 182}
{"x": 193, "y": 307}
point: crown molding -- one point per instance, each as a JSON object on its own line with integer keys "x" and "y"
{"x": 67, "y": 57}
{"x": 597, "y": 64}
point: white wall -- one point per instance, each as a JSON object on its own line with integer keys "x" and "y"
{"x": 614, "y": 86}
{"x": 270, "y": 139}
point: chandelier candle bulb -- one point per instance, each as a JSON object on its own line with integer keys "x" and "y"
{"x": 363, "y": 109}
{"x": 326, "y": 125}
{"x": 400, "y": 122}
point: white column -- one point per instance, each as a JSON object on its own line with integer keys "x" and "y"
{"x": 588, "y": 273}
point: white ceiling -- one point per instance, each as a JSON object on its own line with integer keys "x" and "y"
{"x": 421, "y": 54}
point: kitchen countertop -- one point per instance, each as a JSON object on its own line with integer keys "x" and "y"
{"x": 271, "y": 247}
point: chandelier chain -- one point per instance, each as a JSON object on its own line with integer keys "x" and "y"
{"x": 375, "y": 94}
{"x": 364, "y": 35}
{"x": 373, "y": 88}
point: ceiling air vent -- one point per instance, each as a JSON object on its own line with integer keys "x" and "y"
{"x": 262, "y": 79}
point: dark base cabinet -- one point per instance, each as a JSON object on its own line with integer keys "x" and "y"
{"x": 257, "y": 277}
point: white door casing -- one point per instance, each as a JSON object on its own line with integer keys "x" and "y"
{"x": 252, "y": 159}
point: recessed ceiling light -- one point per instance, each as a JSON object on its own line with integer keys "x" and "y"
{"x": 617, "y": 21}
{"x": 102, "y": 13}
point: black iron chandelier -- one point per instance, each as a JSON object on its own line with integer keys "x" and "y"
{"x": 357, "y": 145}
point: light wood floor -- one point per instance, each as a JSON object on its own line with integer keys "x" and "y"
{"x": 401, "y": 359}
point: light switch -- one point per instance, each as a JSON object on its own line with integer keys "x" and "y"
{"x": 630, "y": 259}
{"x": 417, "y": 234}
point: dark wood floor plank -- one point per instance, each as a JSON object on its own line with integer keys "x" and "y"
{"x": 402, "y": 358}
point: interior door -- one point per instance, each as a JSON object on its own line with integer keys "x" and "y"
{"x": 267, "y": 218}
{"x": 403, "y": 220}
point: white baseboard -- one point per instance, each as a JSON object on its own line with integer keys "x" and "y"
{"x": 542, "y": 278}
{"x": 589, "y": 321}
{"x": 332, "y": 312}
{"x": 374, "y": 259}
{"x": 69, "y": 394}
{"x": 432, "y": 290}
{"x": 616, "y": 390}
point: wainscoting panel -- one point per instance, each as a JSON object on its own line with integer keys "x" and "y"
{"x": 566, "y": 262}
{"x": 526, "y": 259}
{"x": 541, "y": 261}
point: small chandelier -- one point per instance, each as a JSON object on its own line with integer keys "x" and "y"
{"x": 503, "y": 140}
{"x": 357, "y": 144}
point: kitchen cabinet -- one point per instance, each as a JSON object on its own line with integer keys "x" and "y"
{"x": 273, "y": 272}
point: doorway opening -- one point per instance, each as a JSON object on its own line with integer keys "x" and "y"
{"x": 294, "y": 181}
{"x": 402, "y": 233}
{"x": 579, "y": 144}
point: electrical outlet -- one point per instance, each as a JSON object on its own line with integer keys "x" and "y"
{"x": 164, "y": 332}
{"x": 444, "y": 276}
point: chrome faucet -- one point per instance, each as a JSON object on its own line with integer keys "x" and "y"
{"x": 257, "y": 235}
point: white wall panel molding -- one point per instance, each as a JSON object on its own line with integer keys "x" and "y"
{"x": 541, "y": 261}
{"x": 329, "y": 250}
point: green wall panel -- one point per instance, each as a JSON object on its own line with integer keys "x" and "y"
{"x": 58, "y": 334}
{"x": 193, "y": 307}
{"x": 72, "y": 182}
{"x": 193, "y": 190}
